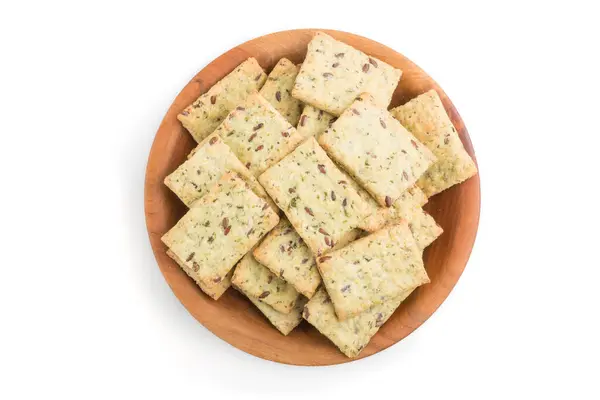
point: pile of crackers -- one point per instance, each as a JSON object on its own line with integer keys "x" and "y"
{"x": 305, "y": 193}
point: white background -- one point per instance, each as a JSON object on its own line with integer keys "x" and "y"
{"x": 84, "y": 310}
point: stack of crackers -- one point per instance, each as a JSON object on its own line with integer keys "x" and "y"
{"x": 305, "y": 193}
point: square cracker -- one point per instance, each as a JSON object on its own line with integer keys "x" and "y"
{"x": 408, "y": 208}
{"x": 257, "y": 281}
{"x": 427, "y": 119}
{"x": 384, "y": 215}
{"x": 379, "y": 216}
{"x": 284, "y": 252}
{"x": 372, "y": 270}
{"x": 376, "y": 150}
{"x": 306, "y": 186}
{"x": 422, "y": 225}
{"x": 214, "y": 290}
{"x": 285, "y": 323}
{"x": 205, "y": 114}
{"x": 417, "y": 196}
{"x": 257, "y": 134}
{"x": 313, "y": 122}
{"x": 277, "y": 90}
{"x": 205, "y": 165}
{"x": 353, "y": 334}
{"x": 221, "y": 227}
{"x": 334, "y": 73}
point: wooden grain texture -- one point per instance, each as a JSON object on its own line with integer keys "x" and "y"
{"x": 233, "y": 318}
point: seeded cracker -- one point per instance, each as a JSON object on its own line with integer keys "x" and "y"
{"x": 408, "y": 207}
{"x": 277, "y": 90}
{"x": 376, "y": 221}
{"x": 422, "y": 225}
{"x": 205, "y": 114}
{"x": 417, "y": 196}
{"x": 257, "y": 281}
{"x": 309, "y": 188}
{"x": 379, "y": 216}
{"x": 284, "y": 252}
{"x": 334, "y": 74}
{"x": 221, "y": 227}
{"x": 353, "y": 334}
{"x": 285, "y": 323}
{"x": 313, "y": 122}
{"x": 427, "y": 119}
{"x": 257, "y": 134}
{"x": 376, "y": 150}
{"x": 207, "y": 163}
{"x": 372, "y": 270}
{"x": 214, "y": 290}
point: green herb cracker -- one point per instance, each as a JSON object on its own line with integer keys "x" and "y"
{"x": 427, "y": 119}
{"x": 205, "y": 114}
{"x": 313, "y": 122}
{"x": 285, "y": 323}
{"x": 353, "y": 334}
{"x": 214, "y": 290}
{"x": 408, "y": 208}
{"x": 284, "y": 252}
{"x": 372, "y": 270}
{"x": 277, "y": 90}
{"x": 334, "y": 74}
{"x": 207, "y": 163}
{"x": 310, "y": 190}
{"x": 257, "y": 134}
{"x": 376, "y": 150}
{"x": 220, "y": 228}
{"x": 258, "y": 281}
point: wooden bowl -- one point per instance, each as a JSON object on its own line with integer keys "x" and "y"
{"x": 233, "y": 318}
